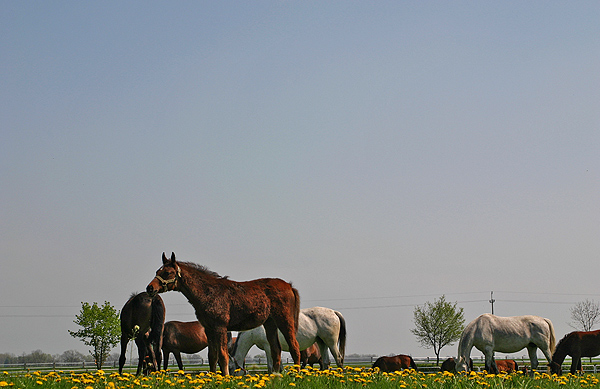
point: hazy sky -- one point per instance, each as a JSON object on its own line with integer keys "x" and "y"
{"x": 375, "y": 154}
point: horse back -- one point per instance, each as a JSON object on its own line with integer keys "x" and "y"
{"x": 253, "y": 302}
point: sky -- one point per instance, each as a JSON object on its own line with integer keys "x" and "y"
{"x": 378, "y": 155}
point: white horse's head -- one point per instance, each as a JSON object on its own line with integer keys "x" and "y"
{"x": 461, "y": 364}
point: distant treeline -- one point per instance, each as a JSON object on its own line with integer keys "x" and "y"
{"x": 38, "y": 356}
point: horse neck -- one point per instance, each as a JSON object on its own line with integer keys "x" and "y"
{"x": 464, "y": 346}
{"x": 560, "y": 353}
{"x": 192, "y": 284}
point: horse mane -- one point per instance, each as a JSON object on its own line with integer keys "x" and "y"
{"x": 563, "y": 341}
{"x": 203, "y": 269}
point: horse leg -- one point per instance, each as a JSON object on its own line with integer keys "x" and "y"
{"x": 222, "y": 351}
{"x": 289, "y": 333}
{"x": 576, "y": 363}
{"x": 274, "y": 345}
{"x": 324, "y": 350}
{"x": 166, "y": 359}
{"x": 153, "y": 365}
{"x": 212, "y": 352}
{"x": 141, "y": 346}
{"x": 532, "y": 351}
{"x": 490, "y": 363}
{"x": 157, "y": 355}
{"x": 177, "y": 356}
{"x": 124, "y": 342}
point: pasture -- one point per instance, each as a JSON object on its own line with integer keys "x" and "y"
{"x": 293, "y": 378}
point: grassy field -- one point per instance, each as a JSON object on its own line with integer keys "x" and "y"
{"x": 293, "y": 378}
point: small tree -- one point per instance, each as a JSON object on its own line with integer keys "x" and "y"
{"x": 101, "y": 329}
{"x": 438, "y": 324}
{"x": 585, "y": 314}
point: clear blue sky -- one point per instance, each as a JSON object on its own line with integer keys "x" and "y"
{"x": 376, "y": 154}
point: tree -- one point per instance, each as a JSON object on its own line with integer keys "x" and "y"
{"x": 438, "y": 324}
{"x": 585, "y": 314}
{"x": 101, "y": 329}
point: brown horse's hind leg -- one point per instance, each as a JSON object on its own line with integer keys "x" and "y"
{"x": 177, "y": 356}
{"x": 124, "y": 343}
{"x": 273, "y": 339}
{"x": 289, "y": 333}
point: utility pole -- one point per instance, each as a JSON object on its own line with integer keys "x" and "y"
{"x": 492, "y": 301}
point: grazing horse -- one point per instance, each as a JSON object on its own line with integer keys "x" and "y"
{"x": 577, "y": 344}
{"x": 318, "y": 324}
{"x": 395, "y": 363}
{"x": 182, "y": 337}
{"x": 489, "y": 333}
{"x": 450, "y": 365}
{"x": 310, "y": 356}
{"x": 223, "y": 305}
{"x": 142, "y": 319}
{"x": 507, "y": 365}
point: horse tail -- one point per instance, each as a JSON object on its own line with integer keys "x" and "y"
{"x": 296, "y": 309}
{"x": 552, "y": 345}
{"x": 342, "y": 335}
{"x": 413, "y": 365}
{"x": 157, "y": 321}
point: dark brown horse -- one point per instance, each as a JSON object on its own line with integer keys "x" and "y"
{"x": 577, "y": 344}
{"x": 223, "y": 305}
{"x": 142, "y": 319}
{"x": 450, "y": 365}
{"x": 182, "y": 337}
{"x": 395, "y": 363}
{"x": 310, "y": 356}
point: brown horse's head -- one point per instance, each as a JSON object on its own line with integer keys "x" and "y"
{"x": 166, "y": 277}
{"x": 555, "y": 368}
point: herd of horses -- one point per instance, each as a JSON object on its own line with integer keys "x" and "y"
{"x": 266, "y": 313}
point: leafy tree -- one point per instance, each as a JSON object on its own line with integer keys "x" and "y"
{"x": 585, "y": 314}
{"x": 438, "y": 324}
{"x": 100, "y": 329}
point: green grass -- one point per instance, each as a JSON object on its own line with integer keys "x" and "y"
{"x": 296, "y": 379}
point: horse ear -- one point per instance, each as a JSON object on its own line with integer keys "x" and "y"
{"x": 164, "y": 259}
{"x": 172, "y": 257}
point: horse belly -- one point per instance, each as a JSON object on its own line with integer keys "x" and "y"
{"x": 248, "y": 317}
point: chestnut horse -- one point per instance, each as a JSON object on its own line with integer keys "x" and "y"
{"x": 506, "y": 365}
{"x": 223, "y": 305}
{"x": 395, "y": 363}
{"x": 577, "y": 344}
{"x": 142, "y": 319}
{"x": 310, "y": 356}
{"x": 182, "y": 337}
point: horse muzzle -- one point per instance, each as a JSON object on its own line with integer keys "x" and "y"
{"x": 151, "y": 290}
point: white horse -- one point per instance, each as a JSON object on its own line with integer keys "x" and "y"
{"x": 322, "y": 325}
{"x": 489, "y": 333}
